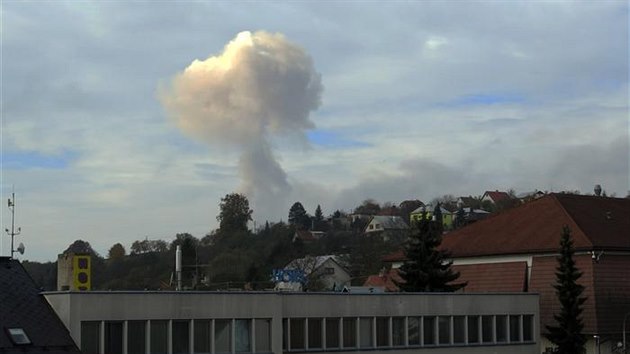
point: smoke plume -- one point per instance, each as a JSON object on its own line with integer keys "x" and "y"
{"x": 259, "y": 86}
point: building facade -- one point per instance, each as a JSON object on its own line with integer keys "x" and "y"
{"x": 271, "y": 322}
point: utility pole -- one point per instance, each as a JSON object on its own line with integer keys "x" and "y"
{"x": 12, "y": 233}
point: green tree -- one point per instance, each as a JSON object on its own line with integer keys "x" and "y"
{"x": 319, "y": 216}
{"x": 117, "y": 251}
{"x": 567, "y": 335}
{"x": 426, "y": 267}
{"x": 368, "y": 207}
{"x": 298, "y": 216}
{"x": 234, "y": 213}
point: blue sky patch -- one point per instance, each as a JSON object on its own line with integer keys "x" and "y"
{"x": 332, "y": 140}
{"x": 22, "y": 160}
{"x": 484, "y": 99}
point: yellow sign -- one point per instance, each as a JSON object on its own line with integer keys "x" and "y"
{"x": 81, "y": 271}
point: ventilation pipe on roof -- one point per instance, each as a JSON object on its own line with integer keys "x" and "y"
{"x": 178, "y": 267}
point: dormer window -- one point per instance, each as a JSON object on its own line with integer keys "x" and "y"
{"x": 18, "y": 336}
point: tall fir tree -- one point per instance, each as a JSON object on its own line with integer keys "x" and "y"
{"x": 567, "y": 335}
{"x": 427, "y": 268}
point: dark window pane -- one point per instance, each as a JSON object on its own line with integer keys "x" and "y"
{"x": 203, "y": 336}
{"x": 349, "y": 332}
{"x": 429, "y": 330}
{"x": 528, "y": 327}
{"x": 365, "y": 332}
{"x": 332, "y": 333}
{"x": 501, "y": 323}
{"x": 285, "y": 335}
{"x": 444, "y": 323}
{"x": 223, "y": 336}
{"x": 414, "y": 330}
{"x": 459, "y": 329}
{"x": 515, "y": 328}
{"x": 243, "y": 336}
{"x": 136, "y": 337}
{"x": 90, "y": 337}
{"x": 398, "y": 331}
{"x": 181, "y": 337}
{"x": 487, "y": 329}
{"x": 263, "y": 335}
{"x": 113, "y": 337}
{"x": 297, "y": 333}
{"x": 314, "y": 333}
{"x": 159, "y": 340}
{"x": 473, "y": 329}
{"x": 382, "y": 331}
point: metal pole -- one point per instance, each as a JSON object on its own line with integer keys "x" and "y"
{"x": 11, "y": 205}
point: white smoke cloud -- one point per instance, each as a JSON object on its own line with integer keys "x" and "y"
{"x": 259, "y": 86}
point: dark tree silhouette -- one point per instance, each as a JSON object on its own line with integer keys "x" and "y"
{"x": 567, "y": 335}
{"x": 426, "y": 267}
{"x": 298, "y": 216}
{"x": 234, "y": 213}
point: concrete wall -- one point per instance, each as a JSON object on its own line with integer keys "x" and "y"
{"x": 74, "y": 307}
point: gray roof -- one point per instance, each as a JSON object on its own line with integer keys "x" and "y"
{"x": 391, "y": 222}
{"x": 22, "y": 306}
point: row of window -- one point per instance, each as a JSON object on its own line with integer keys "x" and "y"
{"x": 157, "y": 336}
{"x": 301, "y": 334}
{"x": 316, "y": 334}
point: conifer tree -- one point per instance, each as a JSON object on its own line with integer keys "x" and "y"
{"x": 567, "y": 335}
{"x": 426, "y": 268}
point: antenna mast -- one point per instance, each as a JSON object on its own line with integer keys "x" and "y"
{"x": 12, "y": 233}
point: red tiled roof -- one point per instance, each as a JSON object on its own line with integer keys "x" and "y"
{"x": 497, "y": 196}
{"x": 397, "y": 256}
{"x": 508, "y": 276}
{"x": 388, "y": 281}
{"x": 535, "y": 227}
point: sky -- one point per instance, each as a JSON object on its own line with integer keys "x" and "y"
{"x": 402, "y": 100}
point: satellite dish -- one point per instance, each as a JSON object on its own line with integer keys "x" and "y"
{"x": 21, "y": 248}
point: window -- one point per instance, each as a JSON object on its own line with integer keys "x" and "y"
{"x": 329, "y": 270}
{"x": 473, "y": 329}
{"x": 223, "y": 336}
{"x": 501, "y": 327}
{"x": 297, "y": 333}
{"x": 371, "y": 227}
{"x": 365, "y": 332}
{"x": 349, "y": 332}
{"x": 262, "y": 332}
{"x": 113, "y": 337}
{"x": 285, "y": 333}
{"x": 444, "y": 330}
{"x": 428, "y": 326}
{"x": 90, "y": 337}
{"x": 414, "y": 330}
{"x": 314, "y": 333}
{"x": 159, "y": 337}
{"x": 382, "y": 331}
{"x": 332, "y": 333}
{"x": 243, "y": 336}
{"x": 18, "y": 336}
{"x": 487, "y": 329}
{"x": 528, "y": 328}
{"x": 515, "y": 328}
{"x": 136, "y": 337}
{"x": 459, "y": 329}
{"x": 181, "y": 337}
{"x": 398, "y": 331}
{"x": 203, "y": 336}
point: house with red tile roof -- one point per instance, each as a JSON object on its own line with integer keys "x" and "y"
{"x": 495, "y": 197}
{"x": 516, "y": 251}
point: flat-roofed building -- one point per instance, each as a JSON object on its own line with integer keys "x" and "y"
{"x": 273, "y": 322}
